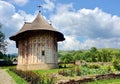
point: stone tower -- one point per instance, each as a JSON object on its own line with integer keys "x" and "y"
{"x": 37, "y": 45}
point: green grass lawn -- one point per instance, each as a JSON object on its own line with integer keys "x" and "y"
{"x": 17, "y": 79}
{"x": 50, "y": 71}
{"x": 44, "y": 72}
{"x": 110, "y": 81}
{"x": 7, "y": 67}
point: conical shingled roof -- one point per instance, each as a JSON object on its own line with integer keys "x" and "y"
{"x": 39, "y": 24}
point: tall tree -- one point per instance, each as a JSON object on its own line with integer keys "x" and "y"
{"x": 3, "y": 43}
{"x": 99, "y": 56}
{"x": 104, "y": 55}
{"x": 93, "y": 49}
{"x": 93, "y": 52}
{"x": 66, "y": 58}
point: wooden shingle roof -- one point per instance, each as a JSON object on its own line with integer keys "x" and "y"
{"x": 39, "y": 24}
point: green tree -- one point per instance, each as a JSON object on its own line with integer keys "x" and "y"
{"x": 106, "y": 55}
{"x": 109, "y": 55}
{"x": 93, "y": 52}
{"x": 117, "y": 54}
{"x": 66, "y": 58}
{"x": 93, "y": 49}
{"x": 3, "y": 43}
{"x": 87, "y": 57}
{"x": 1, "y": 55}
{"x": 116, "y": 64}
{"x": 78, "y": 55}
{"x": 99, "y": 56}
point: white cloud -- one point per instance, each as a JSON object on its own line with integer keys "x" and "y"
{"x": 98, "y": 28}
{"x": 90, "y": 23}
{"x": 4, "y": 10}
{"x": 20, "y": 2}
{"x": 12, "y": 21}
{"x": 83, "y": 28}
{"x": 49, "y": 5}
{"x": 11, "y": 48}
{"x": 101, "y": 43}
{"x": 64, "y": 8}
{"x": 71, "y": 43}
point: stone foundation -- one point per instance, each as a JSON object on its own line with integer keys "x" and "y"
{"x": 41, "y": 66}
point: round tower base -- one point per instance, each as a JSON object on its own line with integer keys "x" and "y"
{"x": 37, "y": 66}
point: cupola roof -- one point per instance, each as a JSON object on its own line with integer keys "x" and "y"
{"x": 39, "y": 24}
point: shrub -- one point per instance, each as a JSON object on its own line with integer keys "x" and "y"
{"x": 63, "y": 72}
{"x": 60, "y": 66}
{"x": 72, "y": 71}
{"x": 109, "y": 69}
{"x": 78, "y": 72}
{"x": 116, "y": 64}
{"x": 50, "y": 78}
{"x": 33, "y": 78}
{"x": 94, "y": 66}
{"x": 85, "y": 65}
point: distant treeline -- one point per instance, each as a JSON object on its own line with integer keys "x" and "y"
{"x": 91, "y": 55}
{"x": 7, "y": 59}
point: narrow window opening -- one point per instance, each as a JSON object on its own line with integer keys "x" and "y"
{"x": 43, "y": 52}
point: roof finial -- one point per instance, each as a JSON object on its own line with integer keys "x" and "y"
{"x": 39, "y": 6}
{"x": 24, "y": 19}
{"x": 50, "y": 22}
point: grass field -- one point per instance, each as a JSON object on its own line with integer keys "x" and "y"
{"x": 110, "y": 81}
{"x": 44, "y": 72}
{"x": 17, "y": 79}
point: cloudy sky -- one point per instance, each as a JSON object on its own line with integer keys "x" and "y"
{"x": 85, "y": 23}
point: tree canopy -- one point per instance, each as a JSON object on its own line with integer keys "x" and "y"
{"x": 3, "y": 43}
{"x": 91, "y": 55}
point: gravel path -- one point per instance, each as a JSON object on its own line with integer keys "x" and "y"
{"x": 5, "y": 78}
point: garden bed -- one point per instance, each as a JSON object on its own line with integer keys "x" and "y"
{"x": 76, "y": 74}
{"x": 90, "y": 78}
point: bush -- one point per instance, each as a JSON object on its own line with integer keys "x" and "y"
{"x": 94, "y": 66}
{"x": 78, "y": 72}
{"x": 116, "y": 64}
{"x": 85, "y": 65}
{"x": 6, "y": 63}
{"x": 63, "y": 72}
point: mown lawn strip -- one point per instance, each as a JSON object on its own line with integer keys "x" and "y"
{"x": 17, "y": 79}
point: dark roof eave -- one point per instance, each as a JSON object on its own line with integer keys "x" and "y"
{"x": 60, "y": 36}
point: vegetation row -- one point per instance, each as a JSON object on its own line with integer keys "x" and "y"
{"x": 91, "y": 79}
{"x": 33, "y": 78}
{"x": 91, "y": 55}
{"x": 85, "y": 70}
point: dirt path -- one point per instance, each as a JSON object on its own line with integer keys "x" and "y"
{"x": 5, "y": 78}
